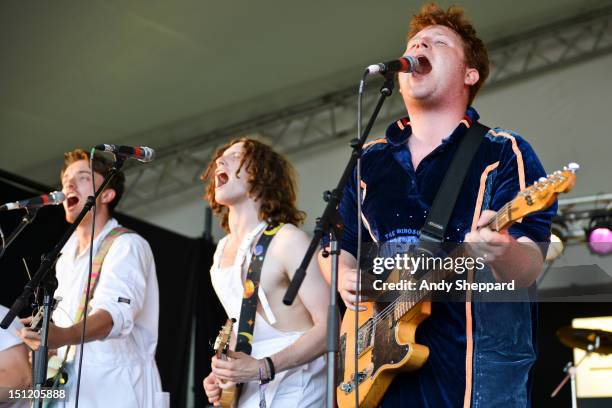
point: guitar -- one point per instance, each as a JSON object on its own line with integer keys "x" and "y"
{"x": 386, "y": 336}
{"x": 229, "y": 396}
{"x": 55, "y": 364}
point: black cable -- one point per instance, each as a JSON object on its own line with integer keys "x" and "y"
{"x": 359, "y": 238}
{"x": 85, "y": 306}
{"x": 2, "y": 238}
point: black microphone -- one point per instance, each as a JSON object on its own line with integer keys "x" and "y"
{"x": 404, "y": 64}
{"x": 53, "y": 198}
{"x": 140, "y": 153}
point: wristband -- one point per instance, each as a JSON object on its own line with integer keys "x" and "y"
{"x": 271, "y": 367}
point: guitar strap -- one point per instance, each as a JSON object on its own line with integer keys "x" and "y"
{"x": 97, "y": 266}
{"x": 250, "y": 298}
{"x": 96, "y": 269}
{"x": 445, "y": 200}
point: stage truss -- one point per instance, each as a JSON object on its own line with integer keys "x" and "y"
{"x": 330, "y": 118}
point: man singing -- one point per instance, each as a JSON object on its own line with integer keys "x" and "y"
{"x": 480, "y": 354}
{"x": 252, "y": 189}
{"x": 119, "y": 368}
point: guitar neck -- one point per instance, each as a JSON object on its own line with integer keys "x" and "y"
{"x": 502, "y": 219}
{"x": 408, "y": 300}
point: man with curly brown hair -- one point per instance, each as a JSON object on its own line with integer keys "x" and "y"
{"x": 252, "y": 189}
{"x": 480, "y": 353}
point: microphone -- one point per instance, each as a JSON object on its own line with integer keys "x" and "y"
{"x": 140, "y": 153}
{"x": 53, "y": 198}
{"x": 404, "y": 64}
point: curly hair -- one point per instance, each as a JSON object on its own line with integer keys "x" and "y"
{"x": 271, "y": 180}
{"x": 476, "y": 55}
{"x": 101, "y": 166}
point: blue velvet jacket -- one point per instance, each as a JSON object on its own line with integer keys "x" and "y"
{"x": 481, "y": 353}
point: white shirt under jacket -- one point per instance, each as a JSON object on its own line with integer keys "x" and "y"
{"x": 120, "y": 370}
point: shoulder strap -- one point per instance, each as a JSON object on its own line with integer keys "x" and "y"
{"x": 98, "y": 259}
{"x": 250, "y": 298}
{"x": 446, "y": 197}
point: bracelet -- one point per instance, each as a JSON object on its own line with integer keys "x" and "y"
{"x": 264, "y": 377}
{"x": 271, "y": 367}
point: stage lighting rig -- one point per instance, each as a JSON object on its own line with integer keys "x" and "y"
{"x": 599, "y": 234}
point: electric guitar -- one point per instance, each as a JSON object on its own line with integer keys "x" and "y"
{"x": 55, "y": 364}
{"x": 386, "y": 335}
{"x": 229, "y": 396}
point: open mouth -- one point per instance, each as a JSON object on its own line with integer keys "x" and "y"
{"x": 424, "y": 65}
{"x": 72, "y": 201}
{"x": 221, "y": 179}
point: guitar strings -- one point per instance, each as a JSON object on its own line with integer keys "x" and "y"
{"x": 502, "y": 215}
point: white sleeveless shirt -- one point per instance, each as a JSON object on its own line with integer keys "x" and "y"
{"x": 304, "y": 384}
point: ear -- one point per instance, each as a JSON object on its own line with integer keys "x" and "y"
{"x": 107, "y": 196}
{"x": 471, "y": 76}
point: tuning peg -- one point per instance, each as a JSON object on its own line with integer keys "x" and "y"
{"x": 573, "y": 166}
{"x": 542, "y": 179}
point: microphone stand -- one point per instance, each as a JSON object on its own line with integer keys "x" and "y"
{"x": 330, "y": 223}
{"x": 25, "y": 221}
{"x": 47, "y": 280}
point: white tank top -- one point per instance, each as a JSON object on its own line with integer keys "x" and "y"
{"x": 305, "y": 381}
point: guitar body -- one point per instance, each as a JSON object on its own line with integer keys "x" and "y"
{"x": 229, "y": 397}
{"x": 389, "y": 350}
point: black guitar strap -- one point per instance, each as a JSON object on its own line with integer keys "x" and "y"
{"x": 445, "y": 200}
{"x": 248, "y": 310}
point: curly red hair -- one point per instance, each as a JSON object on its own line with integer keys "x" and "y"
{"x": 476, "y": 55}
{"x": 271, "y": 179}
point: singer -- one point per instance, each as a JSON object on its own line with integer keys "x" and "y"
{"x": 252, "y": 189}
{"x": 119, "y": 367}
{"x": 480, "y": 354}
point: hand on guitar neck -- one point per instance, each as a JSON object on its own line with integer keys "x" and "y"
{"x": 510, "y": 259}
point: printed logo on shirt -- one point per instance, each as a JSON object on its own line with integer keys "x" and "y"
{"x": 124, "y": 300}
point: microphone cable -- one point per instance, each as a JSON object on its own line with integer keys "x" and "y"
{"x": 86, "y": 305}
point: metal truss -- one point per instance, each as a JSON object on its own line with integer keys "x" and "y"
{"x": 574, "y": 215}
{"x": 331, "y": 117}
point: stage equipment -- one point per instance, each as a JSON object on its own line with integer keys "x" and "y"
{"x": 31, "y": 206}
{"x": 407, "y": 63}
{"x": 140, "y": 153}
{"x": 54, "y": 198}
{"x": 330, "y": 225}
{"x": 584, "y": 339}
{"x": 585, "y": 219}
{"x": 599, "y": 235}
{"x": 555, "y": 248}
{"x": 592, "y": 348}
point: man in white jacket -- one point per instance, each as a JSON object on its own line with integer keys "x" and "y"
{"x": 119, "y": 368}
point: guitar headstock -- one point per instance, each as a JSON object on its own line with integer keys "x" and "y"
{"x": 543, "y": 193}
{"x": 223, "y": 339}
